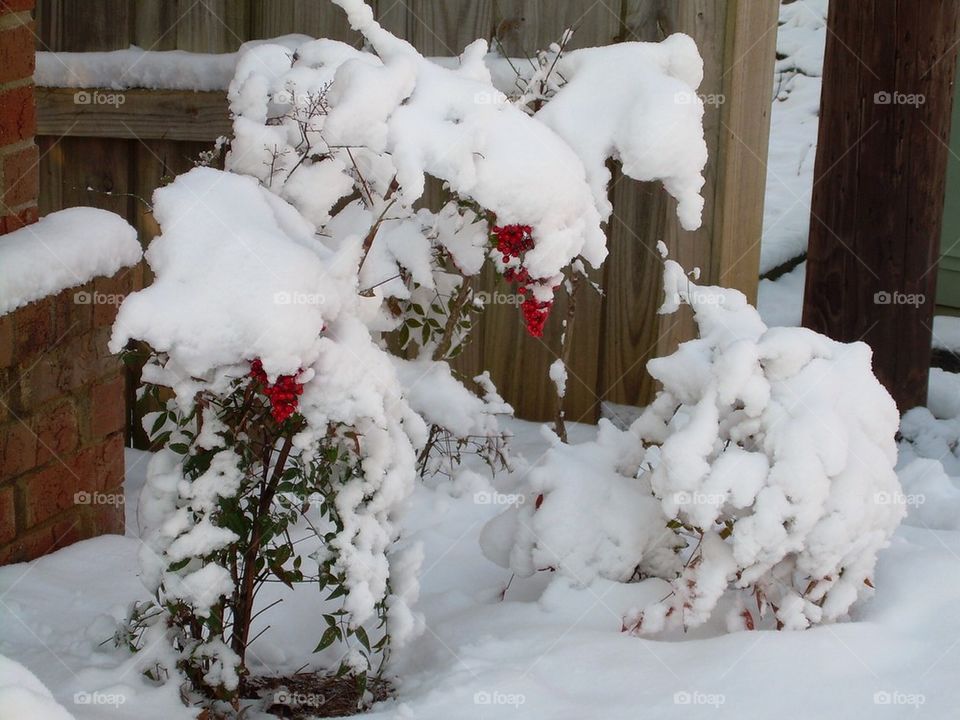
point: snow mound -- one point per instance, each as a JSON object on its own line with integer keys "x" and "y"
{"x": 23, "y": 696}
{"x": 652, "y": 124}
{"x": 63, "y": 250}
{"x": 135, "y": 67}
{"x": 239, "y": 276}
{"x": 764, "y": 467}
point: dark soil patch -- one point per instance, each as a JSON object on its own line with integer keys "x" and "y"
{"x": 313, "y": 695}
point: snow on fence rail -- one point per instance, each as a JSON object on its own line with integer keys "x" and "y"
{"x": 112, "y": 146}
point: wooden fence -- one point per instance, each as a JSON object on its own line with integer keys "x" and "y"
{"x": 89, "y": 151}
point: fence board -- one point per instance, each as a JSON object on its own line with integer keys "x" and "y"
{"x": 154, "y": 134}
{"x": 272, "y": 18}
{"x": 144, "y": 114}
{"x": 155, "y": 24}
{"x": 82, "y": 25}
{"x": 212, "y": 26}
{"x": 437, "y": 28}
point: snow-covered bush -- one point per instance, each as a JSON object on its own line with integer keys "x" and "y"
{"x": 307, "y": 299}
{"x": 764, "y": 465}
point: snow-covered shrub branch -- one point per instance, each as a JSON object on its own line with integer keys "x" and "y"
{"x": 307, "y": 299}
{"x": 763, "y": 470}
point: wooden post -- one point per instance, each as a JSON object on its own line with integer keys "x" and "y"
{"x": 879, "y": 183}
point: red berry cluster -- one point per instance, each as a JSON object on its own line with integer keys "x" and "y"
{"x": 282, "y": 394}
{"x": 512, "y": 240}
{"x": 535, "y": 314}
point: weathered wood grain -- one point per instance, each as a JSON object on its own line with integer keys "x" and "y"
{"x": 879, "y": 181}
{"x": 144, "y": 114}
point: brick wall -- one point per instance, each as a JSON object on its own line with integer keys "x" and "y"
{"x": 62, "y": 411}
{"x": 18, "y": 153}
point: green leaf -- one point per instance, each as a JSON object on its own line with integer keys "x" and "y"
{"x": 339, "y": 592}
{"x": 330, "y": 636}
{"x": 361, "y": 635}
{"x": 158, "y": 424}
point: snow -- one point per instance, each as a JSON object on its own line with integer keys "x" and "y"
{"x": 652, "y": 124}
{"x": 407, "y": 117}
{"x": 135, "y": 67}
{"x": 238, "y": 275}
{"x": 558, "y": 375}
{"x": 765, "y": 466}
{"x": 946, "y": 333}
{"x": 62, "y": 250}
{"x": 793, "y": 131}
{"x": 22, "y": 695}
{"x": 780, "y": 301}
{"x": 551, "y": 647}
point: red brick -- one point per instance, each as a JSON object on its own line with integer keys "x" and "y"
{"x": 100, "y": 466}
{"x": 66, "y": 368}
{"x": 18, "y": 115}
{"x": 54, "y": 535}
{"x": 17, "y": 53}
{"x": 73, "y": 312}
{"x": 15, "y": 5}
{"x": 22, "y": 218}
{"x": 108, "y": 293}
{"x": 110, "y": 463}
{"x": 52, "y": 490}
{"x": 108, "y": 411}
{"x": 21, "y": 176}
{"x": 110, "y": 517}
{"x": 18, "y": 449}
{"x": 74, "y": 482}
{"x": 33, "y": 329}
{"x": 57, "y": 432}
{"x": 8, "y": 520}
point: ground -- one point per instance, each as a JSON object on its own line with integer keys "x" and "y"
{"x": 542, "y": 649}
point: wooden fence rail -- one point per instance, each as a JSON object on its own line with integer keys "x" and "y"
{"x": 89, "y": 151}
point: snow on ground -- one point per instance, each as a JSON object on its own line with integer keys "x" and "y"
{"x": 794, "y": 122}
{"x": 946, "y": 333}
{"x": 793, "y": 131}
{"x": 62, "y": 250}
{"x": 780, "y": 301}
{"x": 542, "y": 647}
